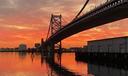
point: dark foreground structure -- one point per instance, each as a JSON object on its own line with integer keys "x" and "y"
{"x": 112, "y": 49}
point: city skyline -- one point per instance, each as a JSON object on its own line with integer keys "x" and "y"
{"x": 21, "y": 22}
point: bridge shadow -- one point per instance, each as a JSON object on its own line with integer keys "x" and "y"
{"x": 58, "y": 68}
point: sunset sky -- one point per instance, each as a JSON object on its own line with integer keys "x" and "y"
{"x": 26, "y": 21}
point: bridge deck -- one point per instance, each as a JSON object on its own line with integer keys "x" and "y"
{"x": 107, "y": 13}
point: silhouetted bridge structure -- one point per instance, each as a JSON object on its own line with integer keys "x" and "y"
{"x": 110, "y": 11}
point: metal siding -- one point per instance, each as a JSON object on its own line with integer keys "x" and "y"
{"x": 123, "y": 72}
{"x": 127, "y": 45}
{"x": 116, "y": 45}
{"x": 104, "y": 71}
{"x": 89, "y": 49}
{"x": 95, "y": 69}
{"x": 115, "y": 72}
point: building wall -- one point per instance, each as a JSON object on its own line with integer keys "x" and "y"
{"x": 114, "y": 45}
{"x": 127, "y": 44}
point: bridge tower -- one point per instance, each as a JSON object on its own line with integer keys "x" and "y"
{"x": 55, "y": 25}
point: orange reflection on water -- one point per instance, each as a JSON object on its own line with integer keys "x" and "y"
{"x": 29, "y": 64}
{"x": 68, "y": 61}
{"x": 20, "y": 64}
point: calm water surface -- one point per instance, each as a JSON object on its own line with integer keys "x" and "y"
{"x": 33, "y": 64}
{"x": 28, "y": 64}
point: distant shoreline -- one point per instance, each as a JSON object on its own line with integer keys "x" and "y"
{"x": 19, "y": 51}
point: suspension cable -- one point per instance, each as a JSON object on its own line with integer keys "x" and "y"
{"x": 81, "y": 9}
{"x": 48, "y": 32}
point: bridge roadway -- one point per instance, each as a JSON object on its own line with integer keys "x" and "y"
{"x": 109, "y": 12}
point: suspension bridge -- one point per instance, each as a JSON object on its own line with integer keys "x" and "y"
{"x": 110, "y": 11}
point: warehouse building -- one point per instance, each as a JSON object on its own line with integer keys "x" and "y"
{"x": 111, "y": 45}
{"x": 22, "y": 47}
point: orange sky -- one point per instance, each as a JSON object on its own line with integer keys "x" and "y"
{"x": 26, "y": 21}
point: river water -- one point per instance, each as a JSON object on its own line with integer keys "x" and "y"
{"x": 33, "y": 64}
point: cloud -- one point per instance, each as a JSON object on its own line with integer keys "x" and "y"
{"x": 18, "y": 27}
{"x": 1, "y": 19}
{"x": 126, "y": 33}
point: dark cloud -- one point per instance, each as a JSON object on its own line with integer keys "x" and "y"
{"x": 26, "y": 10}
{"x": 33, "y": 5}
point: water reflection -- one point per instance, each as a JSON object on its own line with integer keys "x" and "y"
{"x": 56, "y": 67}
{"x": 100, "y": 70}
{"x": 22, "y": 55}
{"x": 35, "y": 64}
{"x": 106, "y": 68}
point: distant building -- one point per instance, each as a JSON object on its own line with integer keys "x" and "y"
{"x": 22, "y": 47}
{"x": 75, "y": 49}
{"x": 37, "y": 45}
{"x": 7, "y": 49}
{"x": 42, "y": 46}
{"x": 85, "y": 48}
{"x": 42, "y": 41}
{"x": 111, "y": 45}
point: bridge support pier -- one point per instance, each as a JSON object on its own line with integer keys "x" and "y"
{"x": 50, "y": 50}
